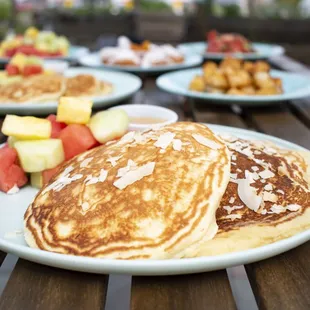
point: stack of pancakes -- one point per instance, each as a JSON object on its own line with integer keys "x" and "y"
{"x": 43, "y": 87}
{"x": 172, "y": 192}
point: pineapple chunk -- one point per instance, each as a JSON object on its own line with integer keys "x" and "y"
{"x": 36, "y": 179}
{"x": 74, "y": 110}
{"x": 108, "y": 125}
{"x": 11, "y": 141}
{"x": 27, "y": 127}
{"x": 19, "y": 60}
{"x": 39, "y": 155}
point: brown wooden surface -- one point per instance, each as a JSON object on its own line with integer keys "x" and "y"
{"x": 282, "y": 282}
{"x": 197, "y": 291}
{"x": 36, "y": 287}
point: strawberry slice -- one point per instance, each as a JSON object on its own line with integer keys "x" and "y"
{"x": 11, "y": 69}
{"x": 32, "y": 70}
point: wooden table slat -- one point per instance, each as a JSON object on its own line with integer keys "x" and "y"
{"x": 33, "y": 286}
{"x": 280, "y": 122}
{"x": 196, "y": 291}
{"x": 282, "y": 282}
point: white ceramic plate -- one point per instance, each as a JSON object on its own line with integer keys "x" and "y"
{"x": 12, "y": 209}
{"x": 294, "y": 86}
{"x": 75, "y": 52}
{"x": 125, "y": 85}
{"x": 262, "y": 51}
{"x": 93, "y": 60}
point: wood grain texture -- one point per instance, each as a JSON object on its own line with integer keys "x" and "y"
{"x": 282, "y": 282}
{"x": 206, "y": 112}
{"x": 2, "y": 257}
{"x": 188, "y": 292}
{"x": 280, "y": 122}
{"x": 37, "y": 287}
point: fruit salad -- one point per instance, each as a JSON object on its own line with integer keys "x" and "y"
{"x": 228, "y": 43}
{"x": 35, "y": 42}
{"x": 36, "y": 148}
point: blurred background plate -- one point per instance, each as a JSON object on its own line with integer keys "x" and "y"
{"x": 263, "y": 51}
{"x": 125, "y": 85}
{"x": 75, "y": 52}
{"x": 93, "y": 60}
{"x": 294, "y": 86}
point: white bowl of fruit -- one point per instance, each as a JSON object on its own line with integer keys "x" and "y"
{"x": 36, "y": 148}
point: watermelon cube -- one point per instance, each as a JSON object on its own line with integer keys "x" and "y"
{"x": 57, "y": 127}
{"x": 76, "y": 139}
{"x": 8, "y": 157}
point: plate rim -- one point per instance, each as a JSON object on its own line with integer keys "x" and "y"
{"x": 277, "y": 49}
{"x": 196, "y": 60}
{"x": 170, "y": 266}
{"x": 226, "y": 99}
{"x": 98, "y": 101}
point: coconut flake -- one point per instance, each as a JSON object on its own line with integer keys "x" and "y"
{"x": 230, "y": 209}
{"x": 233, "y": 216}
{"x": 85, "y": 206}
{"x": 268, "y": 187}
{"x": 233, "y": 176}
{"x": 266, "y": 174}
{"x": 177, "y": 144}
{"x": 270, "y": 197}
{"x": 232, "y": 200}
{"x": 164, "y": 140}
{"x": 280, "y": 191}
{"x": 206, "y": 142}
{"x": 135, "y": 175}
{"x": 122, "y": 171}
{"x": 277, "y": 209}
{"x": 103, "y": 175}
{"x": 128, "y": 137}
{"x": 85, "y": 162}
{"x": 264, "y": 211}
{"x": 13, "y": 190}
{"x": 233, "y": 157}
{"x": 248, "y": 195}
{"x": 92, "y": 180}
{"x": 293, "y": 207}
{"x": 255, "y": 168}
{"x": 113, "y": 160}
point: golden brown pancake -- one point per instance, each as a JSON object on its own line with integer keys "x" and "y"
{"x": 34, "y": 89}
{"x": 266, "y": 200}
{"x": 82, "y": 85}
{"x": 149, "y": 195}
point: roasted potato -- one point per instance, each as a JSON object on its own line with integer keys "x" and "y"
{"x": 217, "y": 79}
{"x": 209, "y": 68}
{"x": 268, "y": 91}
{"x": 197, "y": 84}
{"x": 231, "y": 63}
{"x": 235, "y": 91}
{"x": 261, "y": 66}
{"x": 239, "y": 79}
{"x": 249, "y": 66}
{"x": 264, "y": 80}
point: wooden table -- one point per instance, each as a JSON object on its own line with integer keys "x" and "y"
{"x": 282, "y": 282}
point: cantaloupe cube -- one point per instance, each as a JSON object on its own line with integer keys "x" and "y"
{"x": 109, "y": 125}
{"x": 39, "y": 155}
{"x": 26, "y": 127}
{"x": 73, "y": 110}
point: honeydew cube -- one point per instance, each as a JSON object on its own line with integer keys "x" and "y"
{"x": 39, "y": 155}
{"x": 109, "y": 125}
{"x": 27, "y": 127}
{"x": 73, "y": 110}
{"x": 36, "y": 179}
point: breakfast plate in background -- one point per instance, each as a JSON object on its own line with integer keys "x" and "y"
{"x": 94, "y": 60}
{"x": 295, "y": 86}
{"x": 123, "y": 86}
{"x": 262, "y": 51}
{"x": 12, "y": 240}
{"x": 74, "y": 53}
